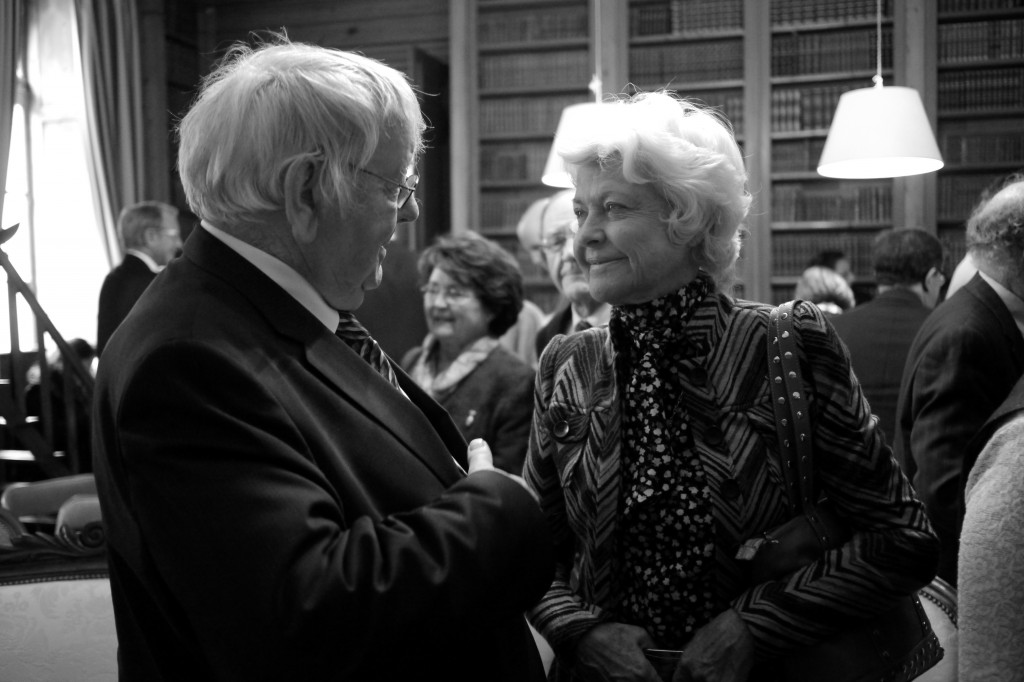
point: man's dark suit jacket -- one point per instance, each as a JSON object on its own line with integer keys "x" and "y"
{"x": 121, "y": 289}
{"x": 878, "y": 334}
{"x": 560, "y": 323}
{"x": 963, "y": 363}
{"x": 276, "y": 510}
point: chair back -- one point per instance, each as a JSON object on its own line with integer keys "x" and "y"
{"x": 56, "y": 619}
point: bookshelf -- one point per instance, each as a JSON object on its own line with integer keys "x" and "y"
{"x": 980, "y": 100}
{"x": 819, "y": 51}
{"x": 532, "y": 59}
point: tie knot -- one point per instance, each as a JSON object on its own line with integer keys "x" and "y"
{"x": 349, "y": 327}
{"x": 582, "y": 325}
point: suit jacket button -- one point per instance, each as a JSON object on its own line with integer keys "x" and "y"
{"x": 561, "y": 429}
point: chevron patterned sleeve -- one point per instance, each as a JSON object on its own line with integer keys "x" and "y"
{"x": 893, "y": 550}
{"x": 561, "y": 616}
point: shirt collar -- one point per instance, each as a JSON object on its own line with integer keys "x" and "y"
{"x": 1012, "y": 302}
{"x": 145, "y": 258}
{"x": 283, "y": 275}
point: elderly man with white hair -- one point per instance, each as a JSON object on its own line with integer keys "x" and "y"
{"x": 281, "y": 500}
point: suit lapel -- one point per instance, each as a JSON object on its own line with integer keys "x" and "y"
{"x": 338, "y": 363}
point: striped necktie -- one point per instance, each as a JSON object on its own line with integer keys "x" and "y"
{"x": 356, "y": 336}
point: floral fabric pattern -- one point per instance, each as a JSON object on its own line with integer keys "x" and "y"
{"x": 667, "y": 531}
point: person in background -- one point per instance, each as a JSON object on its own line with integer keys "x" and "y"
{"x": 964, "y": 361}
{"x": 581, "y": 310}
{"x": 836, "y": 261}
{"x": 281, "y": 501}
{"x": 522, "y": 336}
{"x": 151, "y": 237}
{"x": 990, "y": 602}
{"x": 472, "y": 293}
{"x": 391, "y": 312}
{"x": 653, "y": 448}
{"x": 908, "y": 271}
{"x": 825, "y": 288}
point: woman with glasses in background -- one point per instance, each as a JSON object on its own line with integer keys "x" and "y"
{"x": 472, "y": 293}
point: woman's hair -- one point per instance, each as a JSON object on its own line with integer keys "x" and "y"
{"x": 819, "y": 284}
{"x": 482, "y": 265}
{"x": 685, "y": 150}
{"x": 264, "y": 108}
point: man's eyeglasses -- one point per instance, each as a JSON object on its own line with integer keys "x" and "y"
{"x": 554, "y": 244}
{"x": 453, "y": 294}
{"x": 405, "y": 191}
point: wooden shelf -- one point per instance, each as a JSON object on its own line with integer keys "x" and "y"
{"x": 534, "y": 46}
{"x": 827, "y": 225}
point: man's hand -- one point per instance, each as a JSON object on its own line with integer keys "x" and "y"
{"x": 614, "y": 652}
{"x": 721, "y": 651}
{"x": 481, "y": 459}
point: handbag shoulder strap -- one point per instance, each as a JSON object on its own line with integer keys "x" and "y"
{"x": 792, "y": 417}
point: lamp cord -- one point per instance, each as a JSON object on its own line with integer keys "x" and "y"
{"x": 877, "y": 80}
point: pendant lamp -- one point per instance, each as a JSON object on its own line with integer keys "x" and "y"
{"x": 879, "y": 132}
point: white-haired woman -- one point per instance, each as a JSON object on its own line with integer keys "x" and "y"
{"x": 653, "y": 448}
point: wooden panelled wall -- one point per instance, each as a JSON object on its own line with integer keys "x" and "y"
{"x": 182, "y": 38}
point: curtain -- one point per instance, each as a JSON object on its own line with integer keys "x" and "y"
{"x": 12, "y": 41}
{"x": 108, "y": 33}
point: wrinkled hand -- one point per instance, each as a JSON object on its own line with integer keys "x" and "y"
{"x": 614, "y": 652}
{"x": 721, "y": 651}
{"x": 481, "y": 459}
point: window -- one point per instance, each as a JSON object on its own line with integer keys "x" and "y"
{"x": 58, "y": 249}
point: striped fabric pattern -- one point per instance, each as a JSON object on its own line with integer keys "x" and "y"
{"x": 573, "y": 466}
{"x": 355, "y": 335}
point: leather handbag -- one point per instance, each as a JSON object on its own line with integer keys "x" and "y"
{"x": 896, "y": 646}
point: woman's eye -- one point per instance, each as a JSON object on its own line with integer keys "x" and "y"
{"x": 612, "y": 206}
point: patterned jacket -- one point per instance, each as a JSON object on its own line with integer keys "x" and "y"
{"x": 573, "y": 465}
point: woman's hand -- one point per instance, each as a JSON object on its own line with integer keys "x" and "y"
{"x": 614, "y": 652}
{"x": 721, "y": 651}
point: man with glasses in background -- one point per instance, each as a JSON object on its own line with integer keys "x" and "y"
{"x": 150, "y": 237}
{"x": 281, "y": 500}
{"x": 580, "y": 310}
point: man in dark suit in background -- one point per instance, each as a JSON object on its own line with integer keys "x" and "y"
{"x": 150, "y": 236}
{"x": 580, "y": 310}
{"x": 281, "y": 501}
{"x": 963, "y": 363}
{"x": 908, "y": 270}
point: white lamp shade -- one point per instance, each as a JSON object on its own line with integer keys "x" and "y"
{"x": 879, "y": 132}
{"x": 575, "y": 118}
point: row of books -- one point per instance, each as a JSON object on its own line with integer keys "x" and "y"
{"x": 796, "y": 155}
{"x": 502, "y": 210}
{"x": 785, "y": 12}
{"x": 671, "y": 17}
{"x": 959, "y": 193}
{"x": 861, "y": 203}
{"x": 568, "y": 68}
{"x": 974, "y": 5}
{"x": 536, "y": 24}
{"x": 793, "y": 251}
{"x": 992, "y": 144}
{"x": 525, "y": 114}
{"x": 808, "y": 108}
{"x": 981, "y": 89}
{"x": 849, "y": 50}
{"x": 974, "y": 41}
{"x": 697, "y": 61}
{"x": 514, "y": 160}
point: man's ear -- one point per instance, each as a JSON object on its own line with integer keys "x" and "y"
{"x": 300, "y": 198}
